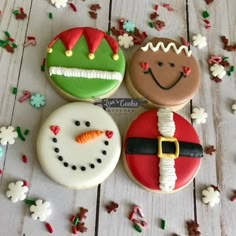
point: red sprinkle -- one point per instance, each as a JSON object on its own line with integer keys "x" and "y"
{"x": 22, "y": 10}
{"x": 24, "y": 159}
{"x": 30, "y": 37}
{"x": 72, "y": 219}
{"x": 73, "y": 7}
{"x": 233, "y": 199}
{"x": 49, "y": 228}
{"x": 74, "y": 230}
{"x": 25, "y": 183}
{"x": 0, "y": 171}
{"x": 184, "y": 41}
{"x": 11, "y": 39}
{"x": 156, "y": 7}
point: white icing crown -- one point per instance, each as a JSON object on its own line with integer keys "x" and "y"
{"x": 172, "y": 45}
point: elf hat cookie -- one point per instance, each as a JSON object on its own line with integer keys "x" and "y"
{"x": 162, "y": 152}
{"x": 85, "y": 63}
{"x": 79, "y": 145}
{"x": 164, "y": 73}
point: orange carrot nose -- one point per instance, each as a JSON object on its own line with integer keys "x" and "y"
{"x": 88, "y": 136}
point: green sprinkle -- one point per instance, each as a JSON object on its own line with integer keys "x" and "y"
{"x": 16, "y": 12}
{"x": 4, "y": 43}
{"x": 7, "y": 34}
{"x": 18, "y": 130}
{"x": 151, "y": 24}
{"x": 109, "y": 32}
{"x": 30, "y": 202}
{"x": 225, "y": 58}
{"x": 137, "y": 228}
{"x": 76, "y": 221}
{"x": 50, "y": 15}
{"x": 14, "y": 90}
{"x": 229, "y": 73}
{"x": 14, "y": 45}
{"x": 42, "y": 68}
{"x": 26, "y": 132}
{"x": 232, "y": 68}
{"x": 205, "y": 14}
{"x": 163, "y": 224}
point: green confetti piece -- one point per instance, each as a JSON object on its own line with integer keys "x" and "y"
{"x": 14, "y": 45}
{"x": 151, "y": 24}
{"x": 50, "y": 15}
{"x": 18, "y": 130}
{"x": 163, "y": 224}
{"x": 137, "y": 228}
{"x": 225, "y": 58}
{"x": 30, "y": 202}
{"x": 16, "y": 12}
{"x": 76, "y": 221}
{"x": 205, "y": 14}
{"x": 26, "y": 132}
{"x": 3, "y": 43}
{"x": 229, "y": 73}
{"x": 14, "y": 90}
{"x": 42, "y": 68}
{"x": 232, "y": 68}
{"x": 7, "y": 34}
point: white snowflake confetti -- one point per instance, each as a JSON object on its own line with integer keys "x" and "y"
{"x": 41, "y": 210}
{"x": 218, "y": 71}
{"x": 199, "y": 41}
{"x": 211, "y": 196}
{"x": 7, "y": 135}
{"x": 234, "y": 108}
{"x": 199, "y": 115}
{"x": 17, "y": 191}
{"x": 125, "y": 40}
{"x": 59, "y": 3}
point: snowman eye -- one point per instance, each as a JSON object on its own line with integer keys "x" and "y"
{"x": 172, "y": 65}
{"x": 87, "y": 123}
{"x": 77, "y": 123}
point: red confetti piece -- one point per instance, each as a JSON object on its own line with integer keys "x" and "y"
{"x": 72, "y": 219}
{"x": 216, "y": 79}
{"x": 22, "y": 10}
{"x": 184, "y": 41}
{"x": 74, "y": 230}
{"x": 30, "y": 37}
{"x": 49, "y": 228}
{"x": 25, "y": 183}
{"x": 24, "y": 159}
{"x": 11, "y": 39}
{"x": 1, "y": 171}
{"x": 156, "y": 7}
{"x": 73, "y": 7}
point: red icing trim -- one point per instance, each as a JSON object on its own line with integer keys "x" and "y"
{"x": 93, "y": 37}
{"x": 144, "y": 168}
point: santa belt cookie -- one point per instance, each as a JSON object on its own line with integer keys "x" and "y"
{"x": 167, "y": 147}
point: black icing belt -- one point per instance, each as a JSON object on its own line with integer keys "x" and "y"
{"x": 149, "y": 146}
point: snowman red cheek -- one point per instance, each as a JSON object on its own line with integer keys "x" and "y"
{"x": 148, "y": 71}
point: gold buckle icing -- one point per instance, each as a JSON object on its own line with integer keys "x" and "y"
{"x": 160, "y": 153}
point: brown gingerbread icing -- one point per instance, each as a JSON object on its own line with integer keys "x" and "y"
{"x": 168, "y": 78}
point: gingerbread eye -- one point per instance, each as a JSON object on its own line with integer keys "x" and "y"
{"x": 172, "y": 65}
{"x": 87, "y": 123}
{"x": 160, "y": 64}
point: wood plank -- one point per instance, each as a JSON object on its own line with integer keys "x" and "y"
{"x": 64, "y": 202}
{"x": 217, "y": 99}
{"x": 174, "y": 208}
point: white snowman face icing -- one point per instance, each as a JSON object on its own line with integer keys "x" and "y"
{"x": 79, "y": 145}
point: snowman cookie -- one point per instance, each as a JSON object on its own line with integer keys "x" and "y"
{"x": 164, "y": 73}
{"x": 162, "y": 152}
{"x": 78, "y": 145}
{"x": 85, "y": 63}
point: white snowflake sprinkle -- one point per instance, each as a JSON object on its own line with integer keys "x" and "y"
{"x": 218, "y": 71}
{"x": 199, "y": 41}
{"x": 41, "y": 210}
{"x": 125, "y": 40}
{"x": 211, "y": 196}
{"x": 234, "y": 108}
{"x": 59, "y": 3}
{"x": 199, "y": 115}
{"x": 17, "y": 191}
{"x": 7, "y": 135}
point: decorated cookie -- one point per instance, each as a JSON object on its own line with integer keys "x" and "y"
{"x": 162, "y": 152}
{"x": 79, "y": 145}
{"x": 85, "y": 63}
{"x": 164, "y": 73}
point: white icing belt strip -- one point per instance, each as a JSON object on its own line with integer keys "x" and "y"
{"x": 167, "y": 48}
{"x": 82, "y": 73}
{"x": 166, "y": 127}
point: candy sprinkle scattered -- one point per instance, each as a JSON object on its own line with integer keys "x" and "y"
{"x": 18, "y": 130}
{"x": 73, "y": 6}
{"x": 14, "y": 90}
{"x": 49, "y": 227}
{"x": 24, "y": 159}
{"x": 30, "y": 202}
{"x": 163, "y": 224}
{"x": 205, "y": 14}
{"x": 50, "y": 15}
{"x": 137, "y": 228}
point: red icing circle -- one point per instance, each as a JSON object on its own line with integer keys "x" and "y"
{"x": 145, "y": 168}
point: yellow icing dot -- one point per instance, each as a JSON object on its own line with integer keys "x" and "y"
{"x": 50, "y": 50}
{"x": 115, "y": 57}
{"x": 91, "y": 56}
{"x": 69, "y": 53}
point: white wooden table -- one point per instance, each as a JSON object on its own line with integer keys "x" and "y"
{"x": 22, "y": 70}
